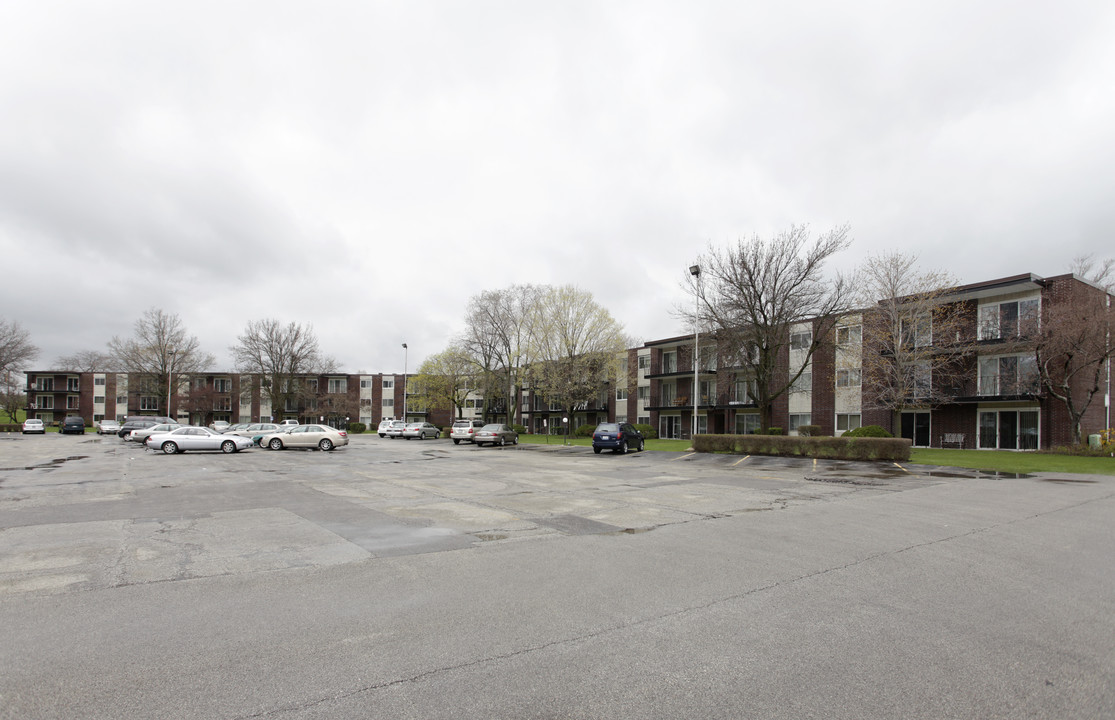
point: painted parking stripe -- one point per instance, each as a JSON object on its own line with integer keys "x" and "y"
{"x": 737, "y": 462}
{"x": 683, "y": 457}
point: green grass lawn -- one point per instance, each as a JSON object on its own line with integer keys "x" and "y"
{"x": 1014, "y": 462}
{"x": 1000, "y": 460}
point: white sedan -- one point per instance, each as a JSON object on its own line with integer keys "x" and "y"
{"x": 196, "y": 438}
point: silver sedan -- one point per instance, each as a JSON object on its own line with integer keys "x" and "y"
{"x": 322, "y": 437}
{"x": 421, "y": 430}
{"x": 496, "y": 434}
{"x": 196, "y": 438}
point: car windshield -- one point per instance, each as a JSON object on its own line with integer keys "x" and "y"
{"x": 492, "y": 428}
{"x": 607, "y": 427}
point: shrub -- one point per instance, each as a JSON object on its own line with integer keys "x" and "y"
{"x": 774, "y": 431}
{"x": 647, "y": 431}
{"x": 355, "y": 428}
{"x": 832, "y": 448}
{"x": 584, "y": 431}
{"x": 868, "y": 431}
{"x": 521, "y": 429}
{"x": 809, "y": 430}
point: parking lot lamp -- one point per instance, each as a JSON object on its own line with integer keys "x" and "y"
{"x": 404, "y": 382}
{"x": 695, "y": 271}
{"x": 169, "y": 377}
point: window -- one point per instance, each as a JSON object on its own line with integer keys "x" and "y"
{"x": 801, "y": 340}
{"x": 311, "y": 385}
{"x": 921, "y": 385}
{"x": 365, "y": 402}
{"x": 916, "y": 331}
{"x": 644, "y": 392}
{"x": 849, "y": 335}
{"x": 799, "y": 419}
{"x": 1009, "y": 319}
{"x": 848, "y": 378}
{"x": 72, "y": 402}
{"x": 222, "y": 385}
{"x": 643, "y": 420}
{"x": 746, "y": 390}
{"x": 621, "y": 418}
{"x": 803, "y": 384}
{"x": 98, "y": 381}
{"x": 148, "y": 402}
{"x": 621, "y": 393}
{"x": 121, "y": 399}
{"x": 1009, "y": 429}
{"x": 708, "y": 359}
{"x": 99, "y": 399}
{"x": 708, "y": 391}
{"x": 388, "y": 402}
{"x": 670, "y": 362}
{"x": 388, "y": 384}
{"x": 222, "y": 404}
{"x": 338, "y": 385}
{"x": 45, "y": 402}
{"x": 73, "y": 385}
{"x": 669, "y": 393}
{"x": 45, "y": 384}
{"x": 365, "y": 384}
{"x": 1008, "y": 375}
{"x": 847, "y": 421}
{"x": 644, "y": 362}
{"x": 747, "y": 423}
{"x": 621, "y": 372}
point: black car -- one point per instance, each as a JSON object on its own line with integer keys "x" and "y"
{"x": 617, "y": 437}
{"x": 138, "y": 424}
{"x": 72, "y": 424}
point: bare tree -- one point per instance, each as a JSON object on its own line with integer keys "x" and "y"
{"x": 914, "y": 339}
{"x": 15, "y": 346}
{"x": 500, "y": 325}
{"x": 13, "y": 397}
{"x": 160, "y": 346}
{"x": 1100, "y": 273}
{"x": 1073, "y": 348}
{"x": 751, "y": 295}
{"x": 281, "y": 355}
{"x": 576, "y": 346}
{"x": 85, "y": 361}
{"x": 444, "y": 380}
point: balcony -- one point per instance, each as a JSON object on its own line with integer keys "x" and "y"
{"x": 705, "y": 400}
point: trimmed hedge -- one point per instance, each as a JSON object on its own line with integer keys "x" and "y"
{"x": 648, "y": 431}
{"x": 521, "y": 429}
{"x": 829, "y": 448}
{"x": 356, "y": 428}
{"x": 584, "y": 431}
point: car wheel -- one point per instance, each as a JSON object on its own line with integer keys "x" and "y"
{"x": 502, "y": 441}
{"x": 382, "y": 435}
{"x": 228, "y": 446}
{"x": 642, "y": 444}
{"x": 515, "y": 440}
{"x": 623, "y": 448}
{"x": 169, "y": 448}
{"x": 437, "y": 435}
{"x": 596, "y": 449}
{"x": 456, "y": 441}
{"x": 325, "y": 444}
{"x": 275, "y": 444}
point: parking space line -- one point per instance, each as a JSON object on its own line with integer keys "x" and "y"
{"x": 737, "y": 462}
{"x": 903, "y": 469}
{"x": 683, "y": 457}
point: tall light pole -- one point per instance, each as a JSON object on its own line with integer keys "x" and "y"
{"x": 695, "y": 271}
{"x": 404, "y": 382}
{"x": 169, "y": 376}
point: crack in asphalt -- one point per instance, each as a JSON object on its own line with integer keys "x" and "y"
{"x": 656, "y": 618}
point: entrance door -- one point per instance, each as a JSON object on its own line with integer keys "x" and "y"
{"x": 671, "y": 426}
{"x": 915, "y": 428}
{"x": 1008, "y": 429}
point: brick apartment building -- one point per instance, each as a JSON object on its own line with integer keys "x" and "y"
{"x": 998, "y": 403}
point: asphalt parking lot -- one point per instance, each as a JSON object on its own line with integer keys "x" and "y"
{"x": 421, "y": 579}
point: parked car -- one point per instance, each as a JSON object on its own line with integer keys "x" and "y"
{"x": 72, "y": 424}
{"x": 34, "y": 426}
{"x": 383, "y": 427}
{"x": 140, "y": 434}
{"x": 617, "y": 437}
{"x": 219, "y": 425}
{"x": 395, "y": 429}
{"x": 253, "y": 431}
{"x": 306, "y": 436}
{"x": 421, "y": 430}
{"x": 464, "y": 430}
{"x": 289, "y": 422}
{"x": 188, "y": 437}
{"x": 141, "y": 421}
{"x": 496, "y": 434}
{"x": 108, "y": 427}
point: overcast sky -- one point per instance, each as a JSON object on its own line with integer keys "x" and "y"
{"x": 366, "y": 167}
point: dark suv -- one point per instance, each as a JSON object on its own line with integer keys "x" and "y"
{"x": 72, "y": 424}
{"x": 140, "y": 422}
{"x": 617, "y": 437}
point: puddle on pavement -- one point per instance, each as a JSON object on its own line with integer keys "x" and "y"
{"x": 56, "y": 462}
{"x": 1067, "y": 481}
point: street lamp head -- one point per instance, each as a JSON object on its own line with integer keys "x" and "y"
{"x": 404, "y": 346}
{"x": 695, "y": 270}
